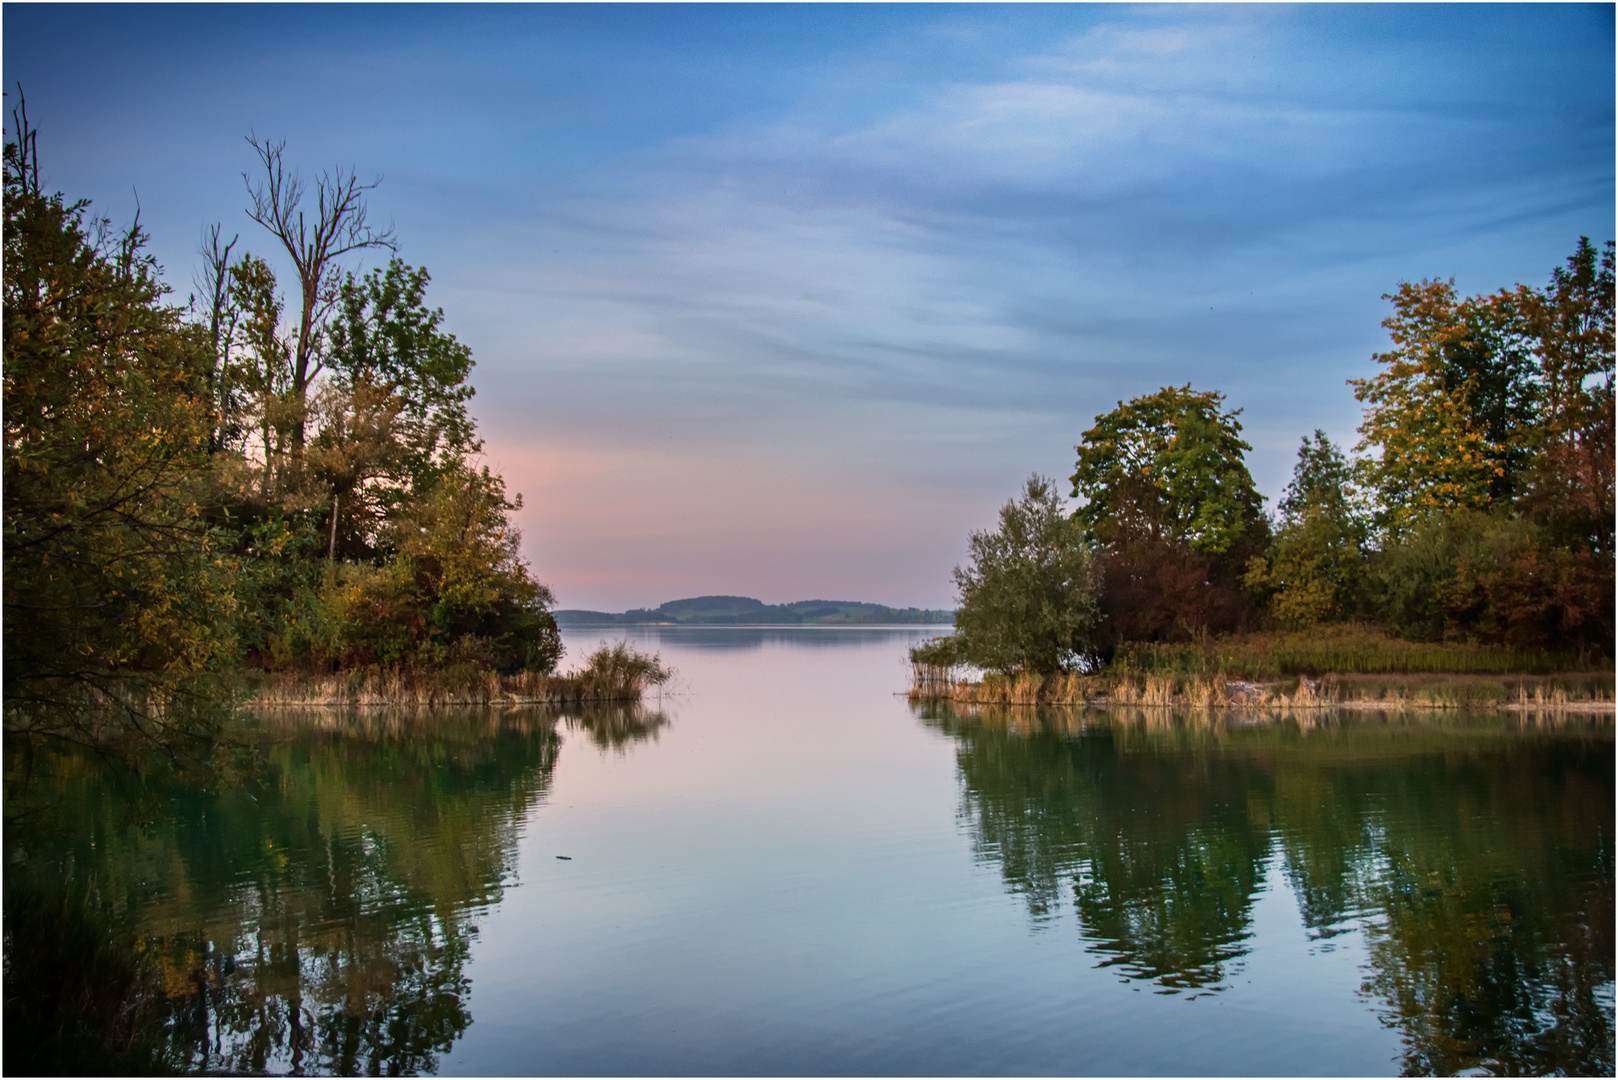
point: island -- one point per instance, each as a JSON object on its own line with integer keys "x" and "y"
{"x": 746, "y": 611}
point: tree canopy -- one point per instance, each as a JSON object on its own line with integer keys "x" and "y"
{"x": 1169, "y": 465}
{"x": 185, "y": 491}
{"x": 117, "y": 592}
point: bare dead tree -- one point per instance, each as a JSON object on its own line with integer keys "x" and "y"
{"x": 25, "y": 145}
{"x": 315, "y": 239}
{"x": 213, "y": 284}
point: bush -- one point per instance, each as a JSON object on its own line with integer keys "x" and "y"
{"x": 620, "y": 673}
{"x": 1494, "y": 578}
{"x": 1028, "y": 602}
{"x": 943, "y": 653}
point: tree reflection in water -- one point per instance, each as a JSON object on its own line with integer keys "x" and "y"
{"x": 317, "y": 916}
{"x": 1475, "y": 853}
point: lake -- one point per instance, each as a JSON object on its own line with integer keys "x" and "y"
{"x": 782, "y": 867}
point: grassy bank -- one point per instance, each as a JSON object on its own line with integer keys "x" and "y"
{"x": 1562, "y": 691}
{"x": 1346, "y": 665}
{"x": 1344, "y": 649}
{"x": 610, "y": 673}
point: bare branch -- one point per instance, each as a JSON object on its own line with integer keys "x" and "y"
{"x": 27, "y": 146}
{"x": 339, "y": 227}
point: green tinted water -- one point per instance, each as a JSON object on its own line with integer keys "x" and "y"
{"x": 785, "y": 868}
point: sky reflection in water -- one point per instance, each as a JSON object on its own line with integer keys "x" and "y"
{"x": 784, "y": 868}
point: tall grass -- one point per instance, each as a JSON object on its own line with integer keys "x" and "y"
{"x": 1115, "y": 689}
{"x": 610, "y": 673}
{"x": 619, "y": 673}
{"x": 1340, "y": 649}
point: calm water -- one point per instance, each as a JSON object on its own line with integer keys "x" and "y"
{"x": 785, "y": 868}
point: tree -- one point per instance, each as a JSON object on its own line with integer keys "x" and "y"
{"x": 115, "y": 599}
{"x": 258, "y": 368}
{"x": 1492, "y": 424}
{"x": 1166, "y": 491}
{"x": 1316, "y": 566}
{"x": 335, "y": 226}
{"x": 358, "y": 442}
{"x": 465, "y": 553}
{"x": 1028, "y": 599}
{"x": 1171, "y": 465}
{"x": 213, "y": 283}
{"x": 1569, "y": 489}
{"x": 384, "y": 333}
{"x": 1450, "y": 414}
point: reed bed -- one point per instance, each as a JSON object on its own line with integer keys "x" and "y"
{"x": 1588, "y": 691}
{"x": 610, "y": 673}
{"x": 933, "y": 682}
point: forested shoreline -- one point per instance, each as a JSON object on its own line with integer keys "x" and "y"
{"x": 267, "y": 495}
{"x": 272, "y": 482}
{"x": 1470, "y": 530}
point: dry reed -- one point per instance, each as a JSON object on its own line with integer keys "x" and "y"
{"x": 611, "y": 673}
{"x": 1393, "y": 692}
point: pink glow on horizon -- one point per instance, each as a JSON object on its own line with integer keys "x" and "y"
{"x": 609, "y": 528}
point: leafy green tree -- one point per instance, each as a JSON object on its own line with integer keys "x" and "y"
{"x": 1493, "y": 577}
{"x": 256, "y": 366}
{"x": 384, "y": 333}
{"x": 116, "y": 601}
{"x": 358, "y": 455}
{"x": 1449, "y": 416}
{"x": 1170, "y": 465}
{"x": 1316, "y": 566}
{"x": 1484, "y": 399}
{"x": 1492, "y": 426}
{"x": 457, "y": 591}
{"x": 1167, "y": 492}
{"x": 1570, "y": 486}
{"x": 1028, "y": 599}
{"x": 350, "y": 438}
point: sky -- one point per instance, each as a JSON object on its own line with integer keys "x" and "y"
{"x": 786, "y": 300}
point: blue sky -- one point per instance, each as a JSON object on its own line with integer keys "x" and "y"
{"x": 785, "y": 300}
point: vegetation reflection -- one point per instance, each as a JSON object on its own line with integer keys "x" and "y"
{"x": 1474, "y": 854}
{"x": 315, "y": 916}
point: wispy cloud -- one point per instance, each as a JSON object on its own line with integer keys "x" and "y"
{"x": 800, "y": 294}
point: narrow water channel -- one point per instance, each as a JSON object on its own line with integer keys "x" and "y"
{"x": 782, "y": 867}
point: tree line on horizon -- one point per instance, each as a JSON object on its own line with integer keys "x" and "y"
{"x": 1476, "y": 508}
{"x": 276, "y": 475}
{"x": 746, "y": 611}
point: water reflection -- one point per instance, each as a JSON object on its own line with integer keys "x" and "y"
{"x": 317, "y": 916}
{"x": 1474, "y": 853}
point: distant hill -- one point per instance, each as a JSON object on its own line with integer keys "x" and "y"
{"x": 745, "y": 611}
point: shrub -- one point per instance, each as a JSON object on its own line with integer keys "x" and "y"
{"x": 620, "y": 673}
{"x": 1028, "y": 600}
{"x": 1494, "y": 578}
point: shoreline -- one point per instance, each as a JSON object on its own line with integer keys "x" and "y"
{"x": 1583, "y": 692}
